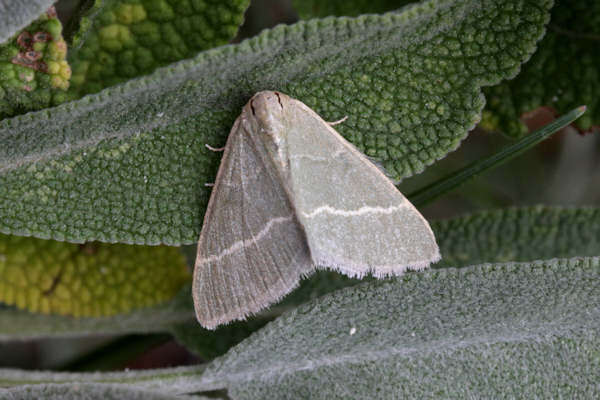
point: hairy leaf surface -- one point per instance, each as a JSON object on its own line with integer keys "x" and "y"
{"x": 447, "y": 333}
{"x": 87, "y": 391}
{"x": 518, "y": 234}
{"x": 176, "y": 381}
{"x": 547, "y": 80}
{"x": 522, "y": 234}
{"x": 409, "y": 82}
{"x": 472, "y": 332}
{"x": 514, "y": 234}
{"x": 17, "y": 14}
{"x": 561, "y": 75}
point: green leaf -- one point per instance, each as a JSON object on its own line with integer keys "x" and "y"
{"x": 209, "y": 344}
{"x": 34, "y": 73}
{"x": 448, "y": 333}
{"x": 177, "y": 381}
{"x": 409, "y": 82}
{"x": 562, "y": 74}
{"x": 88, "y": 280}
{"x": 518, "y": 234}
{"x": 515, "y": 234}
{"x": 123, "y": 39}
{"x": 317, "y": 9}
{"x": 473, "y": 332}
{"x": 159, "y": 318}
{"x": 17, "y": 14}
{"x": 87, "y": 391}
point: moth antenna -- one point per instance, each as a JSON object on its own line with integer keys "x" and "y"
{"x": 339, "y": 121}
{"x": 208, "y": 146}
{"x": 209, "y": 184}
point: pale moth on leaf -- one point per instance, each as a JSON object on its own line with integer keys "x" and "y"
{"x": 292, "y": 195}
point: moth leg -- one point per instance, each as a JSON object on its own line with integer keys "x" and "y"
{"x": 339, "y": 121}
{"x": 208, "y": 146}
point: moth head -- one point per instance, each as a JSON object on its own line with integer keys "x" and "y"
{"x": 267, "y": 111}
{"x": 268, "y": 106}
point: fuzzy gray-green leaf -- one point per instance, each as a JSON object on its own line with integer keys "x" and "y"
{"x": 17, "y": 14}
{"x": 22, "y": 325}
{"x": 88, "y": 391}
{"x": 514, "y": 234}
{"x": 447, "y": 333}
{"x": 129, "y": 164}
{"x": 485, "y": 331}
{"x": 562, "y": 74}
{"x": 518, "y": 234}
{"x": 176, "y": 381}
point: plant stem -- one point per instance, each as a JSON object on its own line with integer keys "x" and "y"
{"x": 452, "y": 181}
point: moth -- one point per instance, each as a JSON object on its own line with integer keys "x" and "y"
{"x": 292, "y": 195}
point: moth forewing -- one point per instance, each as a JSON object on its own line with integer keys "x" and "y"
{"x": 291, "y": 194}
{"x": 339, "y": 194}
{"x": 252, "y": 250}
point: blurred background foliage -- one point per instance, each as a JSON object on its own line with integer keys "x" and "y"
{"x": 564, "y": 170}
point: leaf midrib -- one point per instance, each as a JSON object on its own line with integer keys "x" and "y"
{"x": 540, "y": 335}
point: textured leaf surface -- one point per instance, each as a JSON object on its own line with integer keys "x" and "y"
{"x": 518, "y": 234}
{"x": 562, "y": 74}
{"x": 34, "y": 73}
{"x": 17, "y": 14}
{"x": 485, "y": 331}
{"x": 515, "y": 234}
{"x": 89, "y": 280}
{"x": 317, "y": 9}
{"x": 546, "y": 80}
{"x": 523, "y": 234}
{"x": 15, "y": 324}
{"x": 86, "y": 391}
{"x": 447, "y": 333}
{"x": 410, "y": 84}
{"x": 209, "y": 344}
{"x": 178, "y": 380}
{"x": 123, "y": 39}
